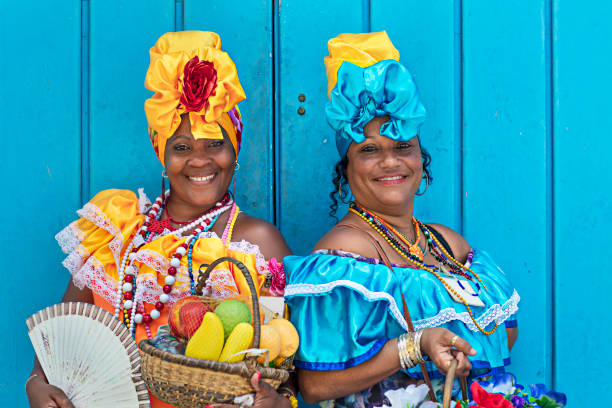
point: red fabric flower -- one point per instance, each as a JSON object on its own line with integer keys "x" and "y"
{"x": 199, "y": 82}
{"x": 487, "y": 400}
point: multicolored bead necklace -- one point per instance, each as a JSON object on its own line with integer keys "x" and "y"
{"x": 126, "y": 290}
{"x": 371, "y": 220}
{"x": 413, "y": 248}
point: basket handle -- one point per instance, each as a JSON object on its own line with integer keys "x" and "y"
{"x": 247, "y": 275}
{"x": 448, "y": 385}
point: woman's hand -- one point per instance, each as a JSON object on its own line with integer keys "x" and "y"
{"x": 266, "y": 396}
{"x": 438, "y": 343}
{"x": 44, "y": 395}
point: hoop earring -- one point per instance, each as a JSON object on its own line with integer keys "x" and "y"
{"x": 163, "y": 186}
{"x": 236, "y": 165}
{"x": 342, "y": 199}
{"x": 426, "y": 185}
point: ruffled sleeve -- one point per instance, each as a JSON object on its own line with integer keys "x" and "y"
{"x": 346, "y": 308}
{"x": 343, "y": 316}
{"x": 94, "y": 242}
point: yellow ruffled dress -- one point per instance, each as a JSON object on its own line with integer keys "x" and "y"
{"x": 96, "y": 242}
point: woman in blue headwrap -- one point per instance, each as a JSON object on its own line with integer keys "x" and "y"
{"x": 382, "y": 289}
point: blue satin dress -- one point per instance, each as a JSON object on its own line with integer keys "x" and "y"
{"x": 346, "y": 307}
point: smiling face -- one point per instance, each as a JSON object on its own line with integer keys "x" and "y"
{"x": 384, "y": 174}
{"x": 200, "y": 171}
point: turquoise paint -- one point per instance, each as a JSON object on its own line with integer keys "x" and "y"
{"x": 534, "y": 200}
{"x": 583, "y": 208}
{"x": 504, "y": 161}
{"x": 40, "y": 105}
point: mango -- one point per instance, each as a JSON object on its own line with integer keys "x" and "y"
{"x": 207, "y": 342}
{"x": 239, "y": 339}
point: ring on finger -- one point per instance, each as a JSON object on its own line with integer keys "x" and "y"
{"x": 454, "y": 340}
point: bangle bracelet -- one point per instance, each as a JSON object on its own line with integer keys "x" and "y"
{"x": 28, "y": 380}
{"x": 406, "y": 361}
{"x": 417, "y": 346}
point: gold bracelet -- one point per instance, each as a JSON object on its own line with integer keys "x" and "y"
{"x": 405, "y": 361}
{"x": 410, "y": 347}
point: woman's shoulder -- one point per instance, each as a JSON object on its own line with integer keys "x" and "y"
{"x": 260, "y": 232}
{"x": 458, "y": 244}
{"x": 345, "y": 237}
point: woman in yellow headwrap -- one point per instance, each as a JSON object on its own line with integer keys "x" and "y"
{"x": 135, "y": 258}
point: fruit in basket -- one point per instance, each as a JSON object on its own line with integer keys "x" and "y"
{"x": 207, "y": 342}
{"x": 231, "y": 313}
{"x": 290, "y": 340}
{"x": 269, "y": 339}
{"x": 186, "y": 315}
{"x": 239, "y": 339}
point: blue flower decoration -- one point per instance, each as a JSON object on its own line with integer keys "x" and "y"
{"x": 383, "y": 89}
{"x": 539, "y": 390}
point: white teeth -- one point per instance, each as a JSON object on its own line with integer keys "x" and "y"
{"x": 391, "y": 178}
{"x": 202, "y": 178}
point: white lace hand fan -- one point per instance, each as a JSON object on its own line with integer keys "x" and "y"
{"x": 89, "y": 354}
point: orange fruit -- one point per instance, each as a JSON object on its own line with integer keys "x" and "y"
{"x": 290, "y": 340}
{"x": 269, "y": 339}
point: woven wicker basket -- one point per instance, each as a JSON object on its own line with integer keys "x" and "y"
{"x": 189, "y": 382}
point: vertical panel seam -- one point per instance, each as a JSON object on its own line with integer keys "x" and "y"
{"x": 179, "y": 15}
{"x": 366, "y": 21}
{"x": 459, "y": 122}
{"x": 84, "y": 117}
{"x": 550, "y": 202}
{"x": 276, "y": 197}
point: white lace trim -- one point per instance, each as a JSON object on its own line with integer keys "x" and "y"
{"x": 143, "y": 201}
{"x": 496, "y": 313}
{"x": 150, "y": 289}
{"x": 88, "y": 271}
{"x": 308, "y": 288}
{"x": 95, "y": 215}
{"x": 70, "y": 237}
{"x": 75, "y": 260}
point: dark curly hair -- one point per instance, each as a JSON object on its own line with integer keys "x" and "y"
{"x": 341, "y": 183}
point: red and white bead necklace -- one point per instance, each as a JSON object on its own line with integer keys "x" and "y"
{"x": 128, "y": 271}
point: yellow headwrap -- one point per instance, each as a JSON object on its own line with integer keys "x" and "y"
{"x": 190, "y": 74}
{"x": 363, "y": 49}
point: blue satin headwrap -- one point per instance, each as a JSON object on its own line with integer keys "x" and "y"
{"x": 383, "y": 89}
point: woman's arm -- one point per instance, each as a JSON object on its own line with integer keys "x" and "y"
{"x": 40, "y": 392}
{"x": 436, "y": 342}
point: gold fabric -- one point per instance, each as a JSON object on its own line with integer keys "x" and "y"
{"x": 165, "y": 77}
{"x": 363, "y": 49}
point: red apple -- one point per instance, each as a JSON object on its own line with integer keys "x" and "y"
{"x": 186, "y": 315}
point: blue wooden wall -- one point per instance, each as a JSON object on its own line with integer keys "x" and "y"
{"x": 517, "y": 97}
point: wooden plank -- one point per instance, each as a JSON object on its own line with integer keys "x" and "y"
{"x": 583, "y": 208}
{"x": 307, "y": 145}
{"x": 505, "y": 161}
{"x": 246, "y": 35}
{"x": 121, "y": 34}
{"x": 432, "y": 55}
{"x": 40, "y": 145}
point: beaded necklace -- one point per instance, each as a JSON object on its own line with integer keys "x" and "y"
{"x": 126, "y": 291}
{"x": 371, "y": 220}
{"x": 413, "y": 248}
{"x": 227, "y": 236}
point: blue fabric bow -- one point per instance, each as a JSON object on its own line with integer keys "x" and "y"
{"x": 383, "y": 89}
